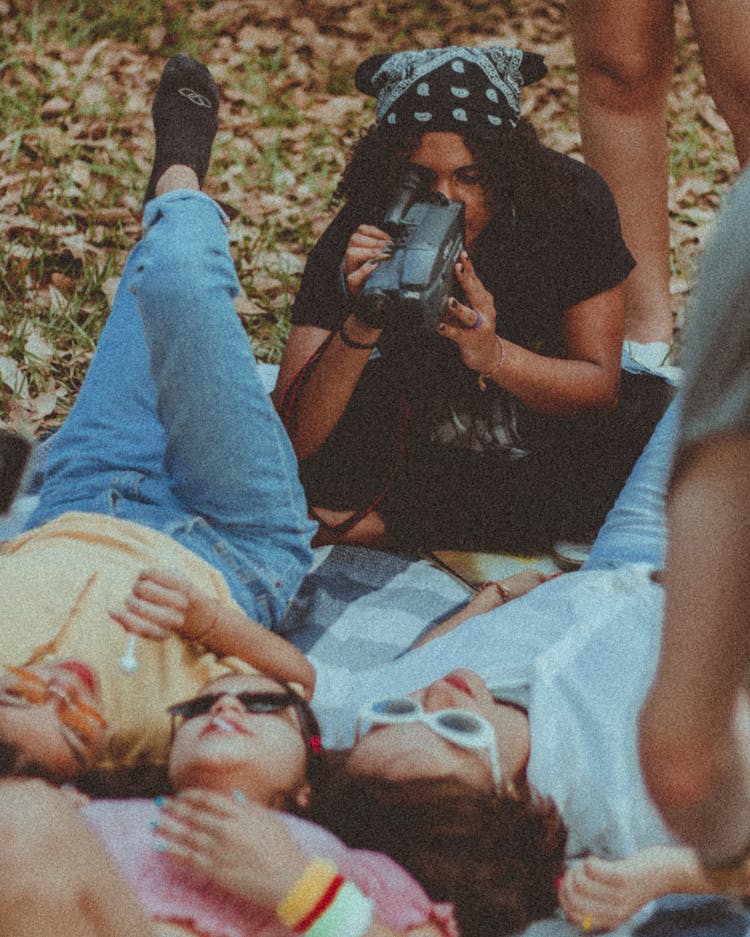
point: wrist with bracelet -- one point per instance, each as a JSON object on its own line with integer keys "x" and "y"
{"x": 351, "y": 343}
{"x": 500, "y": 355}
{"x": 323, "y": 903}
{"x": 502, "y": 591}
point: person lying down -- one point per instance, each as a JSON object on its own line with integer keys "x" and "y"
{"x": 228, "y": 852}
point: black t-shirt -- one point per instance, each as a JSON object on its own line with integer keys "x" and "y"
{"x": 537, "y": 263}
{"x": 536, "y": 266}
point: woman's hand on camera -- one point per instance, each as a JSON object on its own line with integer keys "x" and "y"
{"x": 366, "y": 248}
{"x": 472, "y": 326}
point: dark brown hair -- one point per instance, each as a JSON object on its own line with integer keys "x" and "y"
{"x": 13, "y": 764}
{"x": 514, "y": 164}
{"x": 495, "y": 858}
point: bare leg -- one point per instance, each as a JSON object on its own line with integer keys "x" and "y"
{"x": 604, "y": 893}
{"x": 695, "y": 726}
{"x": 177, "y": 177}
{"x": 56, "y": 877}
{"x": 723, "y": 31}
{"x": 624, "y": 57}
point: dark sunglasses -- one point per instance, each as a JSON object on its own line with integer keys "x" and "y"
{"x": 267, "y": 702}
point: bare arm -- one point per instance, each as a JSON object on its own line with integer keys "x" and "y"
{"x": 695, "y": 726}
{"x": 330, "y": 384}
{"x": 57, "y": 878}
{"x": 488, "y": 598}
{"x": 163, "y": 601}
{"x": 587, "y": 378}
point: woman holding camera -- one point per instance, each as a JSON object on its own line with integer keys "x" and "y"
{"x": 510, "y": 423}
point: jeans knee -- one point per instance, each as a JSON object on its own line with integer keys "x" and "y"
{"x": 185, "y": 255}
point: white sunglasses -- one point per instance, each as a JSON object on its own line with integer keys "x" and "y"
{"x": 461, "y": 727}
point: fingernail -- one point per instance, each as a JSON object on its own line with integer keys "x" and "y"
{"x": 153, "y": 824}
{"x": 452, "y": 303}
{"x": 558, "y": 882}
{"x": 441, "y": 327}
{"x": 373, "y": 262}
{"x": 460, "y": 268}
{"x": 160, "y": 846}
{"x": 238, "y": 797}
{"x": 160, "y": 801}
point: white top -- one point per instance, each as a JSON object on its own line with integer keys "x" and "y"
{"x": 587, "y": 644}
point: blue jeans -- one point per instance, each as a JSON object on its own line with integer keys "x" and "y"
{"x": 172, "y": 428}
{"x": 635, "y": 528}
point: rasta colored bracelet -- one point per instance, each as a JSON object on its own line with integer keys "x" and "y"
{"x": 483, "y": 377}
{"x": 350, "y": 343}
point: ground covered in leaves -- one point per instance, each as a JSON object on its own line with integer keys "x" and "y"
{"x": 75, "y": 148}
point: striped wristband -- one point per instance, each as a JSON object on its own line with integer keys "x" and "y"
{"x": 324, "y": 904}
{"x": 306, "y": 894}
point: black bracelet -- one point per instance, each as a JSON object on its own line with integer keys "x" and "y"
{"x": 350, "y": 343}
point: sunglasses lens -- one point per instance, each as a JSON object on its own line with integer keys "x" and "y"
{"x": 251, "y": 703}
{"x": 403, "y": 706}
{"x": 191, "y": 708}
{"x": 263, "y": 702}
{"x": 460, "y": 723}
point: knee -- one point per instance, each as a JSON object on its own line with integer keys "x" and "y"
{"x": 624, "y": 81}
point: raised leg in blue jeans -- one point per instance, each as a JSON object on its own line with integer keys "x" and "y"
{"x": 173, "y": 429}
{"x": 635, "y": 528}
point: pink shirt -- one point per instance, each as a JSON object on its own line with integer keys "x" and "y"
{"x": 174, "y": 893}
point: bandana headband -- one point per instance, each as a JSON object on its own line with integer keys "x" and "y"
{"x": 455, "y": 88}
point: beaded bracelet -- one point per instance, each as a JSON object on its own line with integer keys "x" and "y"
{"x": 483, "y": 377}
{"x": 350, "y": 343}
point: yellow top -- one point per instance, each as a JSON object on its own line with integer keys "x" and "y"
{"x": 58, "y": 583}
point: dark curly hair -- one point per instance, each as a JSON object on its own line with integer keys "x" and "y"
{"x": 515, "y": 166}
{"x": 495, "y": 858}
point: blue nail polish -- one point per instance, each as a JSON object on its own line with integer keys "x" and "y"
{"x": 153, "y": 824}
{"x": 160, "y": 801}
{"x": 238, "y": 797}
{"x": 160, "y": 846}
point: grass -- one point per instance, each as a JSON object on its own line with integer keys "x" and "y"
{"x": 75, "y": 145}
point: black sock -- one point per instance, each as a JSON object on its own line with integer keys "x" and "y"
{"x": 185, "y": 114}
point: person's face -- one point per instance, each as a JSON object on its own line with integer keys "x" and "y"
{"x": 52, "y": 712}
{"x": 455, "y": 174}
{"x": 413, "y": 750}
{"x": 263, "y": 755}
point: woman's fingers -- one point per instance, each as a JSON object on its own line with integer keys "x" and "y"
{"x": 160, "y": 596}
{"x": 462, "y": 317}
{"x": 475, "y": 291}
{"x": 366, "y": 248}
{"x": 135, "y": 624}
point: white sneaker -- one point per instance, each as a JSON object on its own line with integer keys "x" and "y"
{"x": 652, "y": 354}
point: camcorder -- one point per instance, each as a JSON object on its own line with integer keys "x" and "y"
{"x": 417, "y": 280}
{"x": 14, "y": 454}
